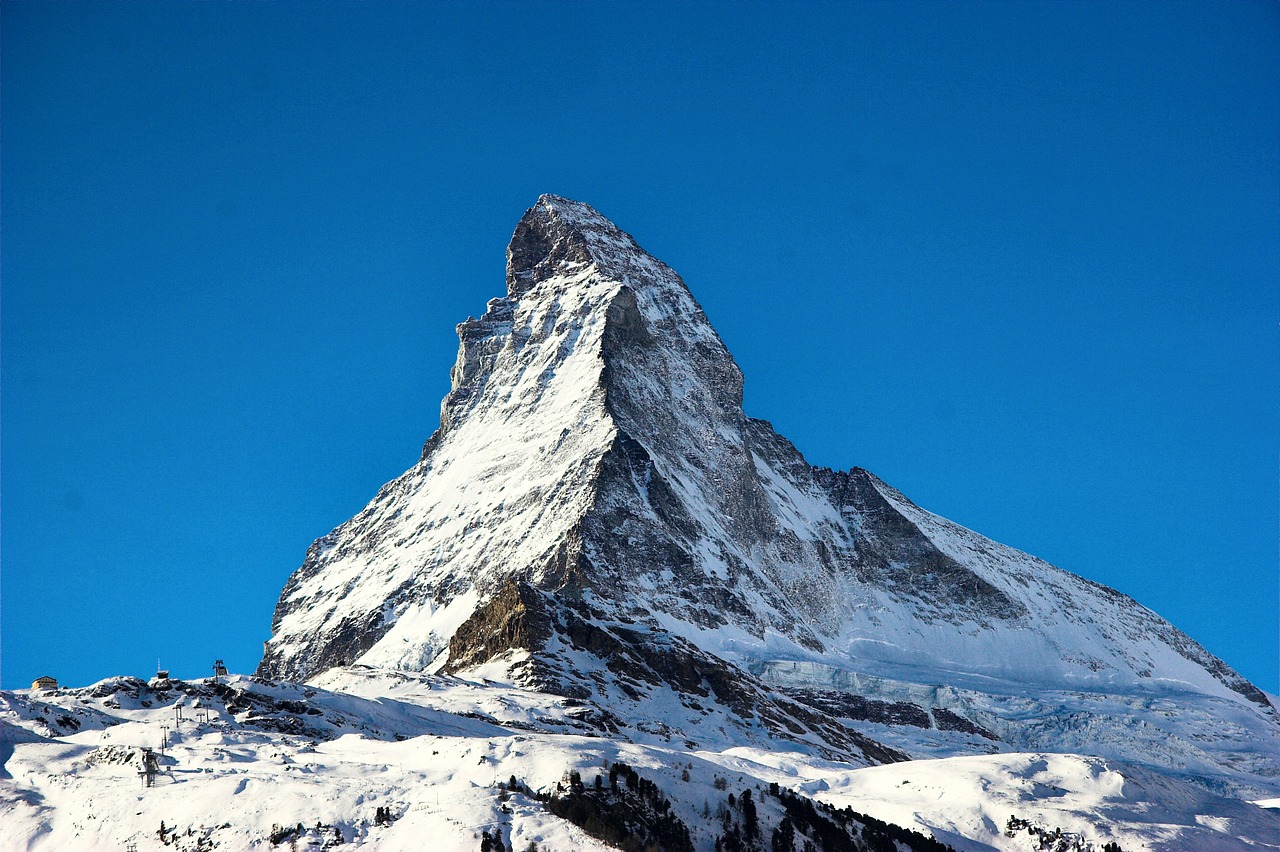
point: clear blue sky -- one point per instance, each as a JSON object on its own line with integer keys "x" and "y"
{"x": 1021, "y": 260}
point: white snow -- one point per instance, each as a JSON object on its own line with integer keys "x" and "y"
{"x": 231, "y": 783}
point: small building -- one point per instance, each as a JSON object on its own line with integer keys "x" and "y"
{"x": 45, "y": 682}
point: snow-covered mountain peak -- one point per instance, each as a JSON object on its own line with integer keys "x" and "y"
{"x": 558, "y": 236}
{"x": 597, "y": 518}
{"x": 598, "y": 558}
{"x": 570, "y": 269}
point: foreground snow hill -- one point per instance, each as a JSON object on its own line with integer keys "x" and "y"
{"x": 390, "y": 761}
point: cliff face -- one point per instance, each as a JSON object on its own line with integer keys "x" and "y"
{"x": 597, "y": 517}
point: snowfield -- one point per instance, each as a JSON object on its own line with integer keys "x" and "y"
{"x": 433, "y": 750}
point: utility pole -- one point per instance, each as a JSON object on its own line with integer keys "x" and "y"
{"x": 150, "y": 766}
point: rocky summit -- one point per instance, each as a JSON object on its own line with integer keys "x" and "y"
{"x": 596, "y": 518}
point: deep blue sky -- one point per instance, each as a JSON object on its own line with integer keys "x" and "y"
{"x": 1021, "y": 260}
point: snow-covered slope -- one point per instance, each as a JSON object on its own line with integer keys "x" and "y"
{"x": 596, "y": 518}
{"x": 401, "y": 757}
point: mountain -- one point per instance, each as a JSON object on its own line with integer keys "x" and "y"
{"x": 605, "y": 609}
{"x": 596, "y": 518}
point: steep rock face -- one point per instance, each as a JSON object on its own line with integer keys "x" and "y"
{"x": 595, "y": 489}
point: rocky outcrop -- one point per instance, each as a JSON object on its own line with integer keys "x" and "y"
{"x": 513, "y": 619}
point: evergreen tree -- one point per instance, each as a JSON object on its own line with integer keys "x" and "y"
{"x": 784, "y": 836}
{"x": 750, "y": 822}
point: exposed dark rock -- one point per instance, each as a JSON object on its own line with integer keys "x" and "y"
{"x": 847, "y": 705}
{"x": 948, "y": 721}
{"x": 514, "y": 618}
